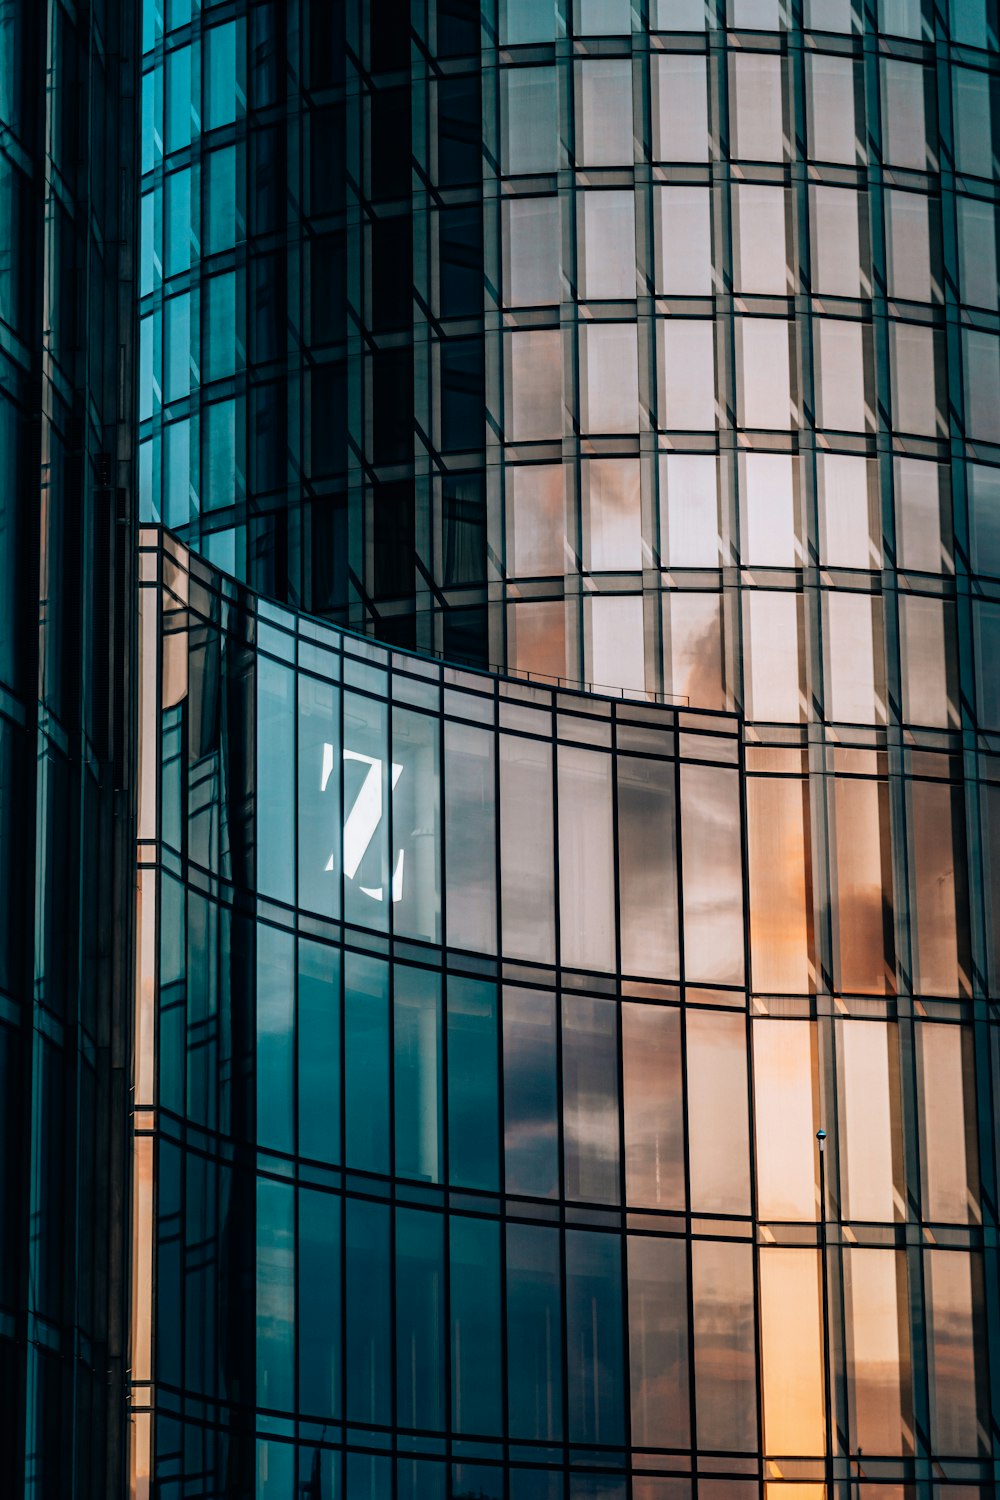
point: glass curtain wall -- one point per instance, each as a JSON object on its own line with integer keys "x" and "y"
{"x": 68, "y": 78}
{"x": 476, "y": 1166}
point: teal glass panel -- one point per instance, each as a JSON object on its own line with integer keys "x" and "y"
{"x": 417, "y": 1073}
{"x": 275, "y": 1294}
{"x": 367, "y": 886}
{"x": 476, "y": 1349}
{"x": 366, "y": 1063}
{"x": 416, "y": 825}
{"x": 319, "y": 1013}
{"x": 534, "y": 1333}
{"x": 594, "y": 1344}
{"x": 173, "y": 994}
{"x": 473, "y": 1104}
{"x": 368, "y": 1349}
{"x": 319, "y": 1304}
{"x": 420, "y": 1479}
{"x": 275, "y": 780}
{"x": 319, "y": 822}
{"x": 275, "y": 1058}
{"x": 420, "y": 1343}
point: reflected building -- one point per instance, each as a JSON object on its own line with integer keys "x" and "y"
{"x": 566, "y": 762}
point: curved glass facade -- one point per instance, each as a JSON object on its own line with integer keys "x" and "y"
{"x": 68, "y": 193}
{"x": 480, "y": 1059}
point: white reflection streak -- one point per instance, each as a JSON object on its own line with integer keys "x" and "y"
{"x": 364, "y": 818}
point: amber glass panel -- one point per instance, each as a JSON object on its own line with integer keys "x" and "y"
{"x": 877, "y": 1315}
{"x": 647, "y": 868}
{"x": 931, "y": 804}
{"x": 952, "y": 1320}
{"x": 725, "y": 1364}
{"x": 658, "y": 1342}
{"x": 654, "y": 1106}
{"x": 784, "y": 1079}
{"x": 791, "y": 1351}
{"x": 713, "y": 878}
{"x": 946, "y": 1094}
{"x": 864, "y": 887}
{"x": 717, "y": 1112}
{"x": 869, "y": 1113}
{"x": 779, "y": 886}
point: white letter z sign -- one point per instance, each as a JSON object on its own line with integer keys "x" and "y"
{"x": 363, "y": 819}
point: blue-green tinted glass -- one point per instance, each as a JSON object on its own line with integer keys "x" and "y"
{"x": 275, "y": 1016}
{"x": 476, "y": 1396}
{"x": 275, "y": 1294}
{"x": 531, "y": 1144}
{"x": 367, "y": 1372}
{"x": 419, "y": 1319}
{"x": 594, "y": 1338}
{"x": 366, "y": 1063}
{"x": 319, "y": 1304}
{"x": 534, "y": 1333}
{"x": 473, "y": 1108}
{"x": 275, "y": 780}
{"x": 417, "y": 1073}
{"x": 319, "y": 1051}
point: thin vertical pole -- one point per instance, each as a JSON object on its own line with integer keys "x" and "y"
{"x": 828, "y": 1446}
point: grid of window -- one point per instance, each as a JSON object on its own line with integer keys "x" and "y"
{"x": 478, "y": 1030}
{"x": 67, "y": 198}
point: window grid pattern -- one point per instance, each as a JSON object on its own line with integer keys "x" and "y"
{"x": 550, "y": 1120}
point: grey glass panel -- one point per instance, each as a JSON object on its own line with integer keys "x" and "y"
{"x": 713, "y": 880}
{"x": 658, "y": 1342}
{"x": 590, "y": 1098}
{"x": 526, "y": 848}
{"x": 647, "y": 866}
{"x": 531, "y": 1146}
{"x": 470, "y": 837}
{"x": 724, "y": 1352}
{"x": 416, "y": 863}
{"x": 654, "y": 1106}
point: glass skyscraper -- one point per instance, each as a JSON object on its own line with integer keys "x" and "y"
{"x": 561, "y": 613}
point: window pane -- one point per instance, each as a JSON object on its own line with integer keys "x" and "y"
{"x": 590, "y": 1099}
{"x": 777, "y": 837}
{"x": 533, "y": 251}
{"x": 852, "y": 696}
{"x": 658, "y": 1342}
{"x": 772, "y": 620}
{"x": 908, "y": 250}
{"x": 864, "y": 887}
{"x": 419, "y": 1318}
{"x": 683, "y": 240}
{"x": 615, "y": 655}
{"x": 526, "y": 824}
{"x": 275, "y": 1294}
{"x": 535, "y": 525}
{"x": 755, "y": 102}
{"x": 473, "y": 1128}
{"x": 952, "y": 1339}
{"x": 768, "y": 515}
{"x": 725, "y": 1356}
{"x": 759, "y": 246}
{"x": 609, "y": 377}
{"x": 784, "y": 1070}
{"x": 830, "y": 89}
{"x": 654, "y": 1106}
{"x": 474, "y": 1246}
{"x": 689, "y": 510}
{"x": 680, "y": 107}
{"x": 612, "y": 523}
{"x": 530, "y": 115}
{"x": 319, "y": 1051}
{"x": 531, "y": 1144}
{"x": 604, "y": 113}
{"x": 534, "y": 1333}
{"x": 647, "y": 865}
{"x": 764, "y": 381}
{"x": 713, "y": 879}
{"x": 319, "y": 1303}
{"x": 946, "y": 1095}
{"x": 586, "y": 860}
{"x": 607, "y": 244}
{"x": 717, "y": 1091}
{"x": 366, "y": 1063}
{"x": 878, "y": 1377}
{"x": 416, "y": 1016}
{"x": 686, "y": 373}
{"x": 534, "y": 384}
{"x": 470, "y": 836}
{"x": 594, "y": 1337}
{"x": 836, "y": 241}
{"x": 870, "y": 1146}
{"x": 791, "y": 1351}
